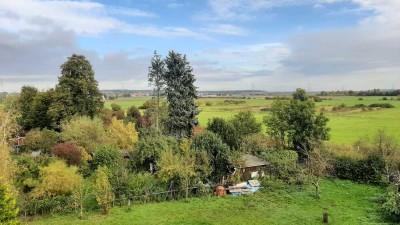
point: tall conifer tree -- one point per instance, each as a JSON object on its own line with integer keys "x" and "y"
{"x": 181, "y": 93}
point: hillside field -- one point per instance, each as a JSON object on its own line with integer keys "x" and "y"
{"x": 345, "y": 201}
{"x": 346, "y": 127}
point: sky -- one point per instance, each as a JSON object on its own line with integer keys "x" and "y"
{"x": 271, "y": 45}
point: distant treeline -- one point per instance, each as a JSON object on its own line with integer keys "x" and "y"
{"x": 374, "y": 92}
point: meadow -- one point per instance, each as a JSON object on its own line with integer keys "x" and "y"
{"x": 346, "y": 203}
{"x": 346, "y": 127}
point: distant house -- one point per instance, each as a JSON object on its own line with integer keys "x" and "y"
{"x": 252, "y": 167}
{"x": 18, "y": 143}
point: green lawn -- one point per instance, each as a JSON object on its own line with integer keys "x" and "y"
{"x": 345, "y": 201}
{"x": 346, "y": 128}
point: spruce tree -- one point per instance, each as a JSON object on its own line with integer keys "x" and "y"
{"x": 181, "y": 93}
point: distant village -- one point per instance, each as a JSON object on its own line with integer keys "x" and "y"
{"x": 118, "y": 93}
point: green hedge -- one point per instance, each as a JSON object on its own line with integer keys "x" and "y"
{"x": 370, "y": 170}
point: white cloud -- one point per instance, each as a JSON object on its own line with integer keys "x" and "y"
{"x": 226, "y": 29}
{"x": 80, "y": 17}
{"x": 242, "y": 10}
{"x": 174, "y": 5}
{"x": 318, "y": 6}
{"x": 83, "y": 18}
{"x": 129, "y": 12}
{"x": 237, "y": 63}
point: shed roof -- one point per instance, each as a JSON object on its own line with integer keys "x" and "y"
{"x": 251, "y": 161}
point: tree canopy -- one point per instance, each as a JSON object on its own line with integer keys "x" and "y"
{"x": 77, "y": 81}
{"x": 181, "y": 93}
{"x": 297, "y": 124}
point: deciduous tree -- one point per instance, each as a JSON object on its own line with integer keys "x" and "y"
{"x": 123, "y": 135}
{"x": 25, "y": 101}
{"x": 217, "y": 151}
{"x": 77, "y": 79}
{"x": 298, "y": 122}
{"x": 226, "y": 131}
{"x": 103, "y": 190}
{"x": 246, "y": 123}
{"x": 156, "y": 77}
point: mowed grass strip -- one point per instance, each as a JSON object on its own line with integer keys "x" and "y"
{"x": 345, "y": 201}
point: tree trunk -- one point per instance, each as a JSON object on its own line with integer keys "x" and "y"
{"x": 158, "y": 109}
{"x": 316, "y": 185}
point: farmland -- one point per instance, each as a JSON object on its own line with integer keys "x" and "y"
{"x": 346, "y": 127}
{"x": 345, "y": 201}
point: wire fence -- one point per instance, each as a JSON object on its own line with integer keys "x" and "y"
{"x": 124, "y": 199}
{"x": 67, "y": 204}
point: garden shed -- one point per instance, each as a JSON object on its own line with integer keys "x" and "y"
{"x": 252, "y": 166}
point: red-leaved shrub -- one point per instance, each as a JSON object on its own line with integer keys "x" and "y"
{"x": 69, "y": 152}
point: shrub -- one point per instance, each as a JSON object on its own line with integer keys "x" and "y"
{"x": 120, "y": 114}
{"x": 391, "y": 204}
{"x": 84, "y": 132}
{"x": 283, "y": 165}
{"x": 234, "y": 102}
{"x": 317, "y": 99}
{"x": 122, "y": 135}
{"x": 106, "y": 155}
{"x": 381, "y": 105}
{"x": 360, "y": 99}
{"x": 225, "y": 130}
{"x": 216, "y": 150}
{"x": 41, "y": 140}
{"x": 57, "y": 179}
{"x": 384, "y": 98}
{"x": 144, "y": 183}
{"x": 256, "y": 144}
{"x": 47, "y": 205}
{"x": 133, "y": 113}
{"x": 8, "y": 210}
{"x": 359, "y": 106}
{"x": 69, "y": 152}
{"x": 115, "y": 107}
{"x": 106, "y": 116}
{"x": 147, "y": 151}
{"x": 103, "y": 189}
{"x": 208, "y": 103}
{"x": 368, "y": 170}
{"x": 149, "y": 104}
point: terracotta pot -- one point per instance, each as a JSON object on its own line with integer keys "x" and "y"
{"x": 220, "y": 190}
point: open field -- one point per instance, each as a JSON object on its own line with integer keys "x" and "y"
{"x": 346, "y": 127}
{"x": 345, "y": 201}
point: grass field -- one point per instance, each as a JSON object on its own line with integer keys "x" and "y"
{"x": 346, "y": 128}
{"x": 345, "y": 201}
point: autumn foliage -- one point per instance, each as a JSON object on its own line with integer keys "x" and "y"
{"x": 69, "y": 152}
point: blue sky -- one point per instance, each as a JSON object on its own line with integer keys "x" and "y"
{"x": 273, "y": 45}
